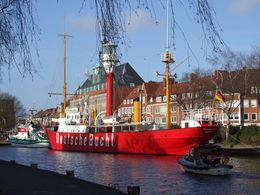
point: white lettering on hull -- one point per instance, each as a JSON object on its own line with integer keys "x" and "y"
{"x": 85, "y": 140}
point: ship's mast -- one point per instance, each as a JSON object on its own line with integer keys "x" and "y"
{"x": 167, "y": 59}
{"x": 64, "y": 75}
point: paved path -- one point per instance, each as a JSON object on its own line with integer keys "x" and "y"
{"x": 240, "y": 149}
{"x": 18, "y": 179}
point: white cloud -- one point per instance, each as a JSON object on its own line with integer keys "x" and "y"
{"x": 82, "y": 23}
{"x": 138, "y": 20}
{"x": 244, "y": 6}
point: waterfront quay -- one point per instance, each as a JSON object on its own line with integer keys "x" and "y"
{"x": 29, "y": 180}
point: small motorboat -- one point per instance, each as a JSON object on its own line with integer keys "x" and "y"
{"x": 207, "y": 160}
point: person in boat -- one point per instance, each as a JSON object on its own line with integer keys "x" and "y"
{"x": 215, "y": 157}
{"x": 189, "y": 156}
{"x": 196, "y": 155}
{"x": 205, "y": 158}
{"x": 224, "y": 158}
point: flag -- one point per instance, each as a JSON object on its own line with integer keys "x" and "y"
{"x": 219, "y": 96}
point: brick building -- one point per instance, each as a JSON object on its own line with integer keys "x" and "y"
{"x": 241, "y": 89}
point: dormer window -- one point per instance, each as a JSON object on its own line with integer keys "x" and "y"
{"x": 132, "y": 84}
{"x": 159, "y": 99}
{"x": 151, "y": 99}
{"x": 173, "y": 97}
{"x": 164, "y": 98}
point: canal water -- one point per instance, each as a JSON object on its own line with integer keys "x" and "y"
{"x": 154, "y": 174}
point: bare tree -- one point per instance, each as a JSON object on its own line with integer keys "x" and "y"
{"x": 238, "y": 71}
{"x": 253, "y": 59}
{"x": 18, "y": 31}
{"x": 18, "y": 107}
{"x": 196, "y": 93}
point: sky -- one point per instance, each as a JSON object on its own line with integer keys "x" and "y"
{"x": 239, "y": 21}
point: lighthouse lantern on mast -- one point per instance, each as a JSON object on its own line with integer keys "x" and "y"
{"x": 108, "y": 56}
{"x": 108, "y": 59}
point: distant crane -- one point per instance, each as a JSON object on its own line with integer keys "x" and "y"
{"x": 32, "y": 110}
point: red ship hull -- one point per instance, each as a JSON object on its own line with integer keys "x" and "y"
{"x": 163, "y": 142}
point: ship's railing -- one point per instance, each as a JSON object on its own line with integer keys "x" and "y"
{"x": 197, "y": 114}
{"x": 126, "y": 127}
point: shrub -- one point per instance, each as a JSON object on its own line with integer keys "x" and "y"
{"x": 175, "y": 126}
{"x": 250, "y": 134}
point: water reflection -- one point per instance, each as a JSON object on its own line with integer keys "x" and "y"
{"x": 154, "y": 174}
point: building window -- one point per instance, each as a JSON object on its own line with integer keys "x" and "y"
{"x": 157, "y": 120}
{"x": 127, "y": 101}
{"x": 253, "y": 117}
{"x": 148, "y": 109}
{"x": 164, "y": 98}
{"x": 131, "y": 101}
{"x": 173, "y": 108}
{"x": 254, "y": 90}
{"x": 148, "y": 119}
{"x": 246, "y": 118}
{"x": 129, "y": 111}
{"x": 173, "y": 119}
{"x": 246, "y": 103}
{"x": 236, "y": 116}
{"x": 143, "y": 100}
{"x": 253, "y": 103}
{"x": 173, "y": 97}
{"x": 225, "y": 116}
{"x": 163, "y": 120}
{"x": 159, "y": 99}
{"x": 216, "y": 117}
{"x": 157, "y": 110}
{"x": 124, "y": 101}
